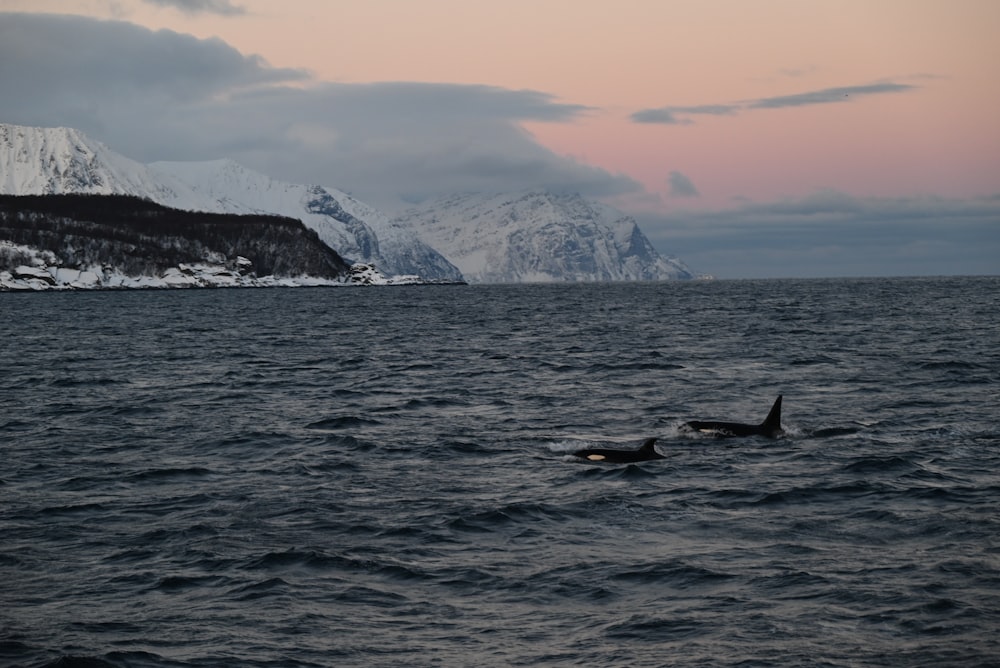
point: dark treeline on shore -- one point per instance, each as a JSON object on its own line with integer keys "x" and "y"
{"x": 140, "y": 237}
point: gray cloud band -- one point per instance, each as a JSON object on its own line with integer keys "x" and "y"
{"x": 680, "y": 115}
{"x": 162, "y": 95}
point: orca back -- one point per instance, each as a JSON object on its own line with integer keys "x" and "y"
{"x": 644, "y": 453}
{"x": 770, "y": 427}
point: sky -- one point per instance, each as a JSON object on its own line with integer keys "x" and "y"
{"x": 774, "y": 138}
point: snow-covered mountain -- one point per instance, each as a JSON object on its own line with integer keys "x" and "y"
{"x": 526, "y": 237}
{"x": 357, "y": 231}
{"x": 35, "y": 161}
{"x": 539, "y": 237}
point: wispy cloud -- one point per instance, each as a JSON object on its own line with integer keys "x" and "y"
{"x": 680, "y": 115}
{"x": 828, "y": 95}
{"x": 221, "y": 7}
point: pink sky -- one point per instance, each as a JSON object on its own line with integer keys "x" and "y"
{"x": 941, "y": 137}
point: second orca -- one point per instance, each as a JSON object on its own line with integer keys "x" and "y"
{"x": 770, "y": 427}
{"x": 644, "y": 453}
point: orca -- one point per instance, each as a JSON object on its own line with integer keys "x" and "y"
{"x": 644, "y": 453}
{"x": 770, "y": 427}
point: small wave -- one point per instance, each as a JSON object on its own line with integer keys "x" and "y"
{"x": 677, "y": 574}
{"x": 878, "y": 465}
{"x": 185, "y": 534}
{"x": 416, "y": 366}
{"x": 343, "y": 422}
{"x": 738, "y": 498}
{"x": 347, "y": 442}
{"x": 947, "y": 365}
{"x": 633, "y": 471}
{"x": 486, "y": 521}
{"x": 464, "y": 448}
{"x": 828, "y": 432}
{"x": 138, "y": 410}
{"x": 79, "y": 662}
{"x": 10, "y": 649}
{"x": 798, "y": 584}
{"x": 877, "y": 514}
{"x": 421, "y": 403}
{"x": 63, "y": 382}
{"x": 635, "y": 366}
{"x": 309, "y": 560}
{"x": 171, "y": 473}
{"x": 133, "y": 659}
{"x": 178, "y": 583}
{"x": 801, "y": 495}
{"x": 813, "y": 361}
{"x": 72, "y": 509}
{"x": 368, "y": 596}
{"x": 81, "y": 483}
{"x": 109, "y": 627}
{"x": 953, "y": 494}
{"x": 316, "y": 560}
{"x": 323, "y": 468}
{"x": 258, "y": 590}
{"x": 658, "y": 629}
{"x": 16, "y": 425}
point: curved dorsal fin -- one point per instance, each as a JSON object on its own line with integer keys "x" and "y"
{"x": 772, "y": 423}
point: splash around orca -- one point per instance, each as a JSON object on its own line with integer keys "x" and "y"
{"x": 770, "y": 427}
{"x": 644, "y": 453}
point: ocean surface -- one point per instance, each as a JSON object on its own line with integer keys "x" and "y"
{"x": 384, "y": 476}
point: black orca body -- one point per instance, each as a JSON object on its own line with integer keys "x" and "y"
{"x": 770, "y": 427}
{"x": 645, "y": 453}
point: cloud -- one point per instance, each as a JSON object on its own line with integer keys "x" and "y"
{"x": 681, "y": 186}
{"x": 830, "y": 233}
{"x": 221, "y": 7}
{"x": 47, "y": 59}
{"x": 679, "y": 115}
{"x": 663, "y": 115}
{"x": 162, "y": 95}
{"x": 669, "y": 115}
{"x": 828, "y": 95}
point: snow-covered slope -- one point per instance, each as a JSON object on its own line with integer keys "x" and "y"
{"x": 539, "y": 237}
{"x": 357, "y": 231}
{"x": 35, "y": 161}
{"x": 44, "y": 161}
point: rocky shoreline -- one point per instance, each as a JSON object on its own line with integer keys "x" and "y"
{"x": 43, "y": 277}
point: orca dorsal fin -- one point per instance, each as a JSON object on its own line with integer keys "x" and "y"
{"x": 647, "y": 445}
{"x": 772, "y": 423}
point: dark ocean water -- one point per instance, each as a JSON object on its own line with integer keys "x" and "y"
{"x": 382, "y": 477}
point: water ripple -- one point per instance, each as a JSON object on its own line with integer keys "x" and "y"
{"x": 250, "y": 478}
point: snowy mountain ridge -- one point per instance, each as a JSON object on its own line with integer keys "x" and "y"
{"x": 39, "y": 161}
{"x": 481, "y": 238}
{"x": 539, "y": 237}
{"x": 54, "y": 161}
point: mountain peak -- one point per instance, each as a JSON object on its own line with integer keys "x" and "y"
{"x": 539, "y": 236}
{"x": 46, "y": 161}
